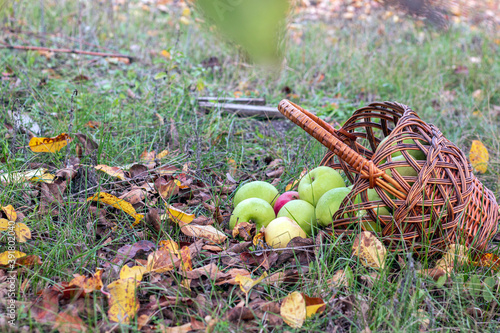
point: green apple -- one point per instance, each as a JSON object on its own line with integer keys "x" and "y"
{"x": 253, "y": 210}
{"x": 417, "y": 154}
{"x": 317, "y": 182}
{"x": 301, "y": 212}
{"x": 279, "y": 232}
{"x": 257, "y": 189}
{"x": 329, "y": 203}
{"x": 371, "y": 226}
{"x": 407, "y": 171}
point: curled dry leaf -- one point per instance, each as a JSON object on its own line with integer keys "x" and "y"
{"x": 123, "y": 302}
{"x": 167, "y": 188}
{"x": 112, "y": 171}
{"x": 293, "y": 310}
{"x": 178, "y": 216}
{"x": 247, "y": 283}
{"x": 207, "y": 232}
{"x": 185, "y": 257}
{"x": 370, "y": 250}
{"x": 9, "y": 257}
{"x": 10, "y": 212}
{"x": 49, "y": 145}
{"x": 117, "y": 203}
{"x": 87, "y": 283}
{"x": 479, "y": 156}
{"x": 244, "y": 229}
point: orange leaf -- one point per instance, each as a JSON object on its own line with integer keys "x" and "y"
{"x": 88, "y": 284}
{"x": 489, "y": 260}
{"x": 49, "y": 145}
{"x": 112, "y": 171}
{"x": 479, "y": 156}
{"x": 117, "y": 203}
{"x": 29, "y": 261}
{"x": 92, "y": 124}
{"x": 161, "y": 261}
{"x": 123, "y": 302}
{"x": 148, "y": 156}
{"x": 185, "y": 257}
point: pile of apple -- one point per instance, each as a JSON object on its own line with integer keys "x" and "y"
{"x": 320, "y": 194}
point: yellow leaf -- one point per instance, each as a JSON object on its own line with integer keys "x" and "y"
{"x": 166, "y": 54}
{"x": 370, "y": 250}
{"x": 204, "y": 231}
{"x": 293, "y": 310}
{"x": 455, "y": 254}
{"x": 489, "y": 260}
{"x": 162, "y": 154}
{"x": 112, "y": 171}
{"x": 22, "y": 232}
{"x": 7, "y": 256}
{"x": 21, "y": 176}
{"x": 47, "y": 178}
{"x": 117, "y": 203}
{"x": 184, "y": 20}
{"x": 132, "y": 272}
{"x": 49, "y": 145}
{"x": 247, "y": 283}
{"x": 20, "y": 229}
{"x": 479, "y": 156}
{"x": 161, "y": 261}
{"x": 295, "y": 182}
{"x": 178, "y": 215}
{"x": 10, "y": 212}
{"x": 186, "y": 11}
{"x": 168, "y": 245}
{"x": 123, "y": 302}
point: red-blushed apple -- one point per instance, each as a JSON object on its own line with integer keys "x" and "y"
{"x": 301, "y": 212}
{"x": 253, "y": 210}
{"x": 284, "y": 198}
{"x": 279, "y": 232}
{"x": 257, "y": 189}
{"x": 317, "y": 182}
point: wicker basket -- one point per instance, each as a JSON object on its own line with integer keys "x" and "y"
{"x": 438, "y": 202}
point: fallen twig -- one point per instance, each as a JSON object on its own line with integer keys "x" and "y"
{"x": 47, "y": 49}
{"x": 234, "y": 100}
{"x": 244, "y": 110}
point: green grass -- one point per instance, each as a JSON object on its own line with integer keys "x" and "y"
{"x": 407, "y": 64}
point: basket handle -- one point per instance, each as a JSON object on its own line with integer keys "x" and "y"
{"x": 329, "y": 137}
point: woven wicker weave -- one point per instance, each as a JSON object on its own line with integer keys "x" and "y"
{"x": 444, "y": 203}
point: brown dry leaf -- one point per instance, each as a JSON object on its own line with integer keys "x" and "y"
{"x": 68, "y": 323}
{"x": 87, "y": 284}
{"x": 370, "y": 250}
{"x": 112, "y": 171}
{"x": 339, "y": 279}
{"x": 29, "y": 261}
{"x": 135, "y": 272}
{"x": 178, "y": 216}
{"x": 185, "y": 257}
{"x": 117, "y": 203}
{"x": 123, "y": 302}
{"x": 244, "y": 229}
{"x": 162, "y": 261}
{"x": 115, "y": 60}
{"x": 49, "y": 145}
{"x": 204, "y": 231}
{"x": 211, "y": 271}
{"x": 46, "y": 306}
{"x": 148, "y": 156}
{"x": 293, "y": 310}
{"x": 9, "y": 257}
{"x": 10, "y": 212}
{"x": 167, "y": 188}
{"x": 134, "y": 196}
{"x": 230, "y": 276}
{"x": 175, "y": 329}
{"x": 313, "y": 305}
{"x": 247, "y": 283}
{"x": 479, "y": 156}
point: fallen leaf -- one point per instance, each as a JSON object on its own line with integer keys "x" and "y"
{"x": 455, "y": 254}
{"x": 185, "y": 257}
{"x": 293, "y": 310}
{"x": 295, "y": 182}
{"x": 313, "y": 305}
{"x": 123, "y": 302}
{"x": 168, "y": 245}
{"x": 29, "y": 261}
{"x": 68, "y": 323}
{"x": 92, "y": 124}
{"x": 489, "y": 260}
{"x": 247, "y": 283}
{"x": 339, "y": 279}
{"x": 162, "y": 154}
{"x": 88, "y": 283}
{"x": 148, "y": 156}
{"x": 21, "y": 230}
{"x": 479, "y": 156}
{"x": 162, "y": 261}
{"x": 49, "y": 145}
{"x": 15, "y": 177}
{"x": 370, "y": 250}
{"x": 117, "y": 203}
{"x": 175, "y": 329}
{"x": 178, "y": 216}
{"x": 204, "y": 231}
{"x": 132, "y": 272}
{"x": 167, "y": 188}
{"x": 10, "y": 212}
{"x": 46, "y": 306}
{"x": 112, "y": 171}
{"x": 47, "y": 178}
{"x": 9, "y": 257}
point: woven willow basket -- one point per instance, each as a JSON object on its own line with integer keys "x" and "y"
{"x": 439, "y": 203}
